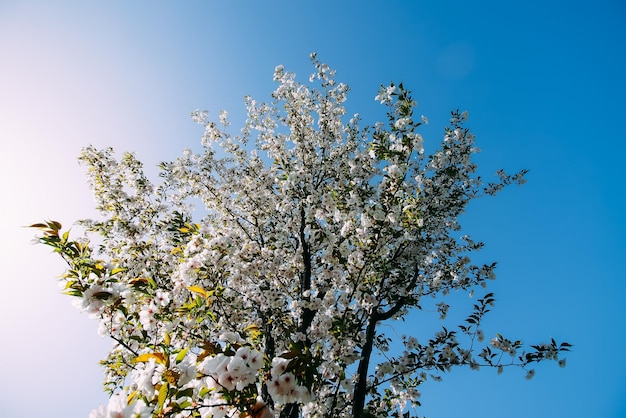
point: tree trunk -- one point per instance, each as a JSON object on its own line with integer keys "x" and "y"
{"x": 360, "y": 390}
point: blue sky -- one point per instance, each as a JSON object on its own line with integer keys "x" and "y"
{"x": 544, "y": 85}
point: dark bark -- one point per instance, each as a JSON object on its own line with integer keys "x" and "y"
{"x": 270, "y": 350}
{"x": 291, "y": 410}
{"x": 360, "y": 389}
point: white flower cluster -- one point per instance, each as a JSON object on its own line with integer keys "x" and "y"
{"x": 232, "y": 372}
{"x": 283, "y": 386}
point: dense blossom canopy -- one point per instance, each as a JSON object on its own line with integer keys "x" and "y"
{"x": 314, "y": 232}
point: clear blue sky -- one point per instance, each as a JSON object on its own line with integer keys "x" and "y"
{"x": 543, "y": 82}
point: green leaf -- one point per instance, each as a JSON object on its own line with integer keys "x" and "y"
{"x": 102, "y": 295}
{"x": 163, "y": 390}
{"x": 290, "y": 354}
{"x": 76, "y": 293}
{"x": 181, "y": 355}
{"x": 184, "y": 393}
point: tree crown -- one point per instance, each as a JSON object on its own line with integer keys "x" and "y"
{"x": 315, "y": 231}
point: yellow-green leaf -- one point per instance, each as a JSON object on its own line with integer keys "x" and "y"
{"x": 198, "y": 289}
{"x": 158, "y": 357}
{"x": 253, "y": 331}
{"x": 181, "y": 355}
{"x": 163, "y": 390}
{"x": 131, "y": 397}
{"x": 152, "y": 282}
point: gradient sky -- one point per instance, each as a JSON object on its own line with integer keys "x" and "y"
{"x": 543, "y": 82}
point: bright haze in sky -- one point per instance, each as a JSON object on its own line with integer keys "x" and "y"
{"x": 544, "y": 86}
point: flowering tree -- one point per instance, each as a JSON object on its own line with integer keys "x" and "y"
{"x": 316, "y": 231}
